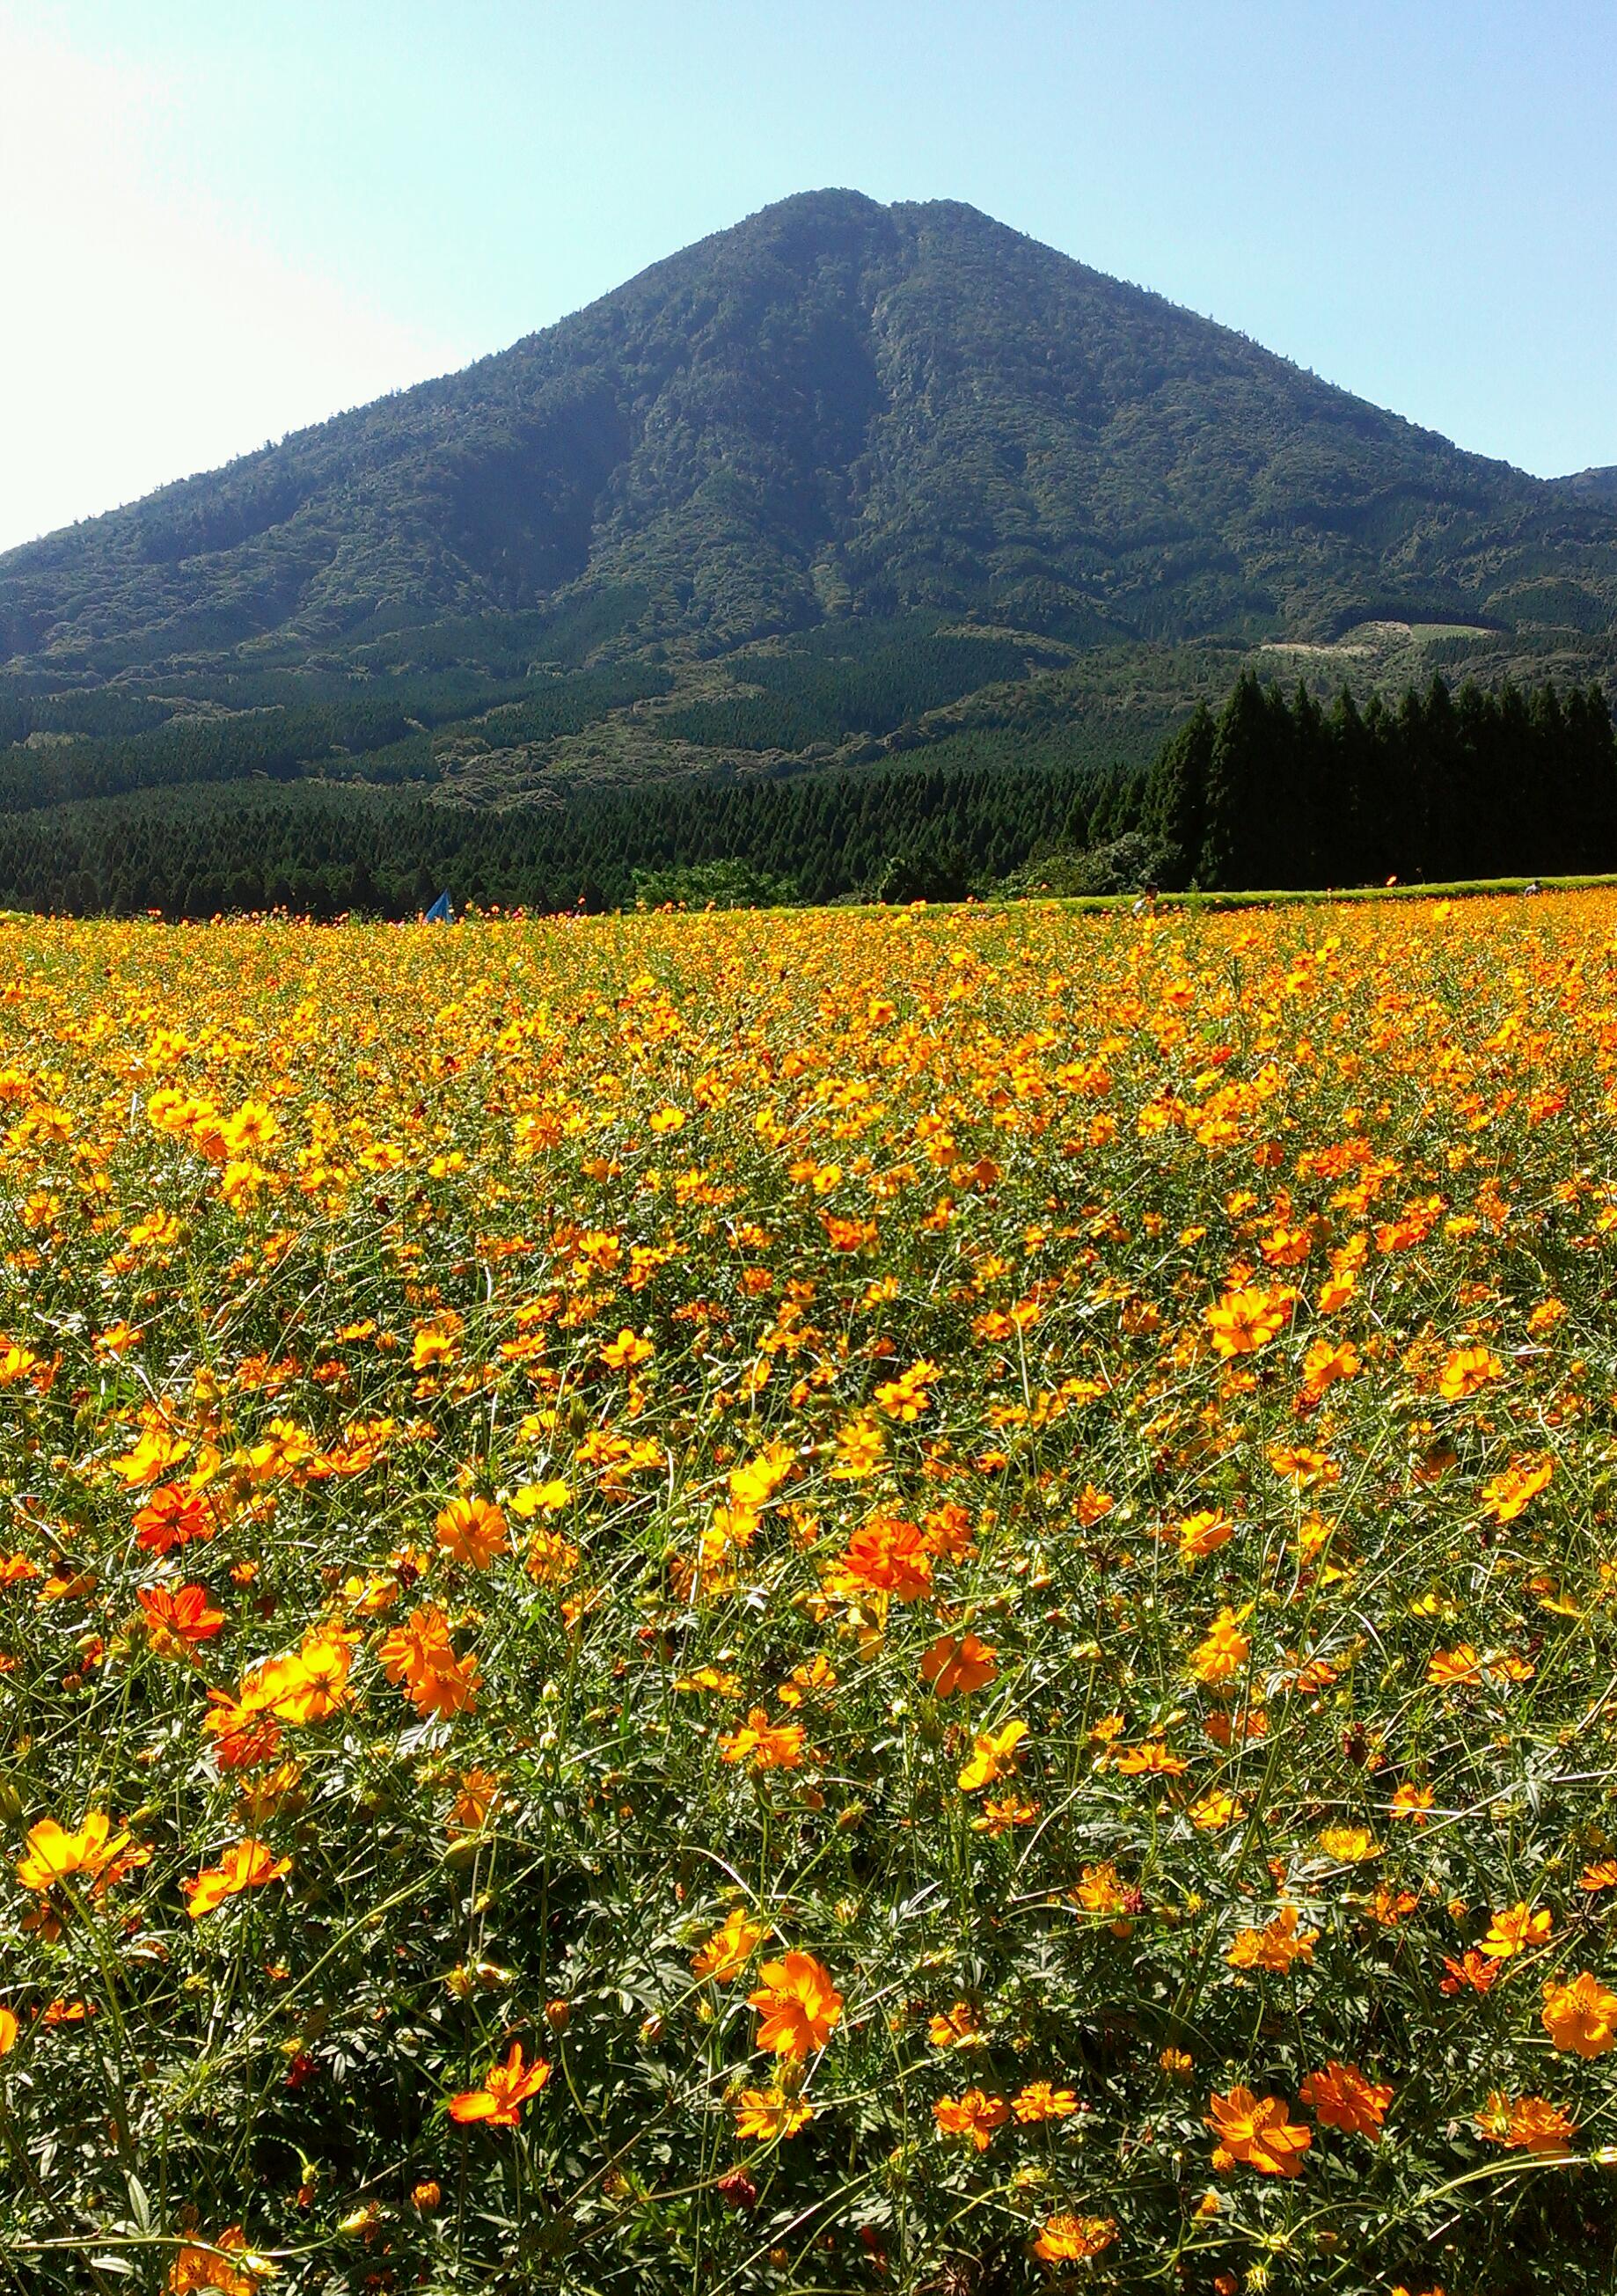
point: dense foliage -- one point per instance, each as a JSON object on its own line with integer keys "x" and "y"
{"x": 376, "y": 734}
{"x": 834, "y": 407}
{"x": 901, "y": 832}
{"x": 810, "y": 1603}
{"x": 1276, "y": 792}
{"x": 831, "y": 685}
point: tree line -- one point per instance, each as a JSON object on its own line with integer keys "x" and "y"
{"x": 1277, "y": 791}
{"x": 899, "y": 831}
{"x": 1273, "y": 790}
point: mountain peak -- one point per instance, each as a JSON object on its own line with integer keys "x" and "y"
{"x": 834, "y": 407}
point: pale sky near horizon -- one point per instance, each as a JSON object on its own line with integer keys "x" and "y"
{"x": 226, "y": 223}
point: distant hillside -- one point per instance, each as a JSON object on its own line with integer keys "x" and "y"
{"x": 1595, "y": 484}
{"x": 833, "y": 408}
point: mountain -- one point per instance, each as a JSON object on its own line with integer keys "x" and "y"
{"x": 835, "y": 409}
{"x": 1595, "y": 484}
{"x": 857, "y": 549}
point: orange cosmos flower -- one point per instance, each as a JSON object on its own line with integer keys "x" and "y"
{"x": 993, "y": 1756}
{"x": 730, "y": 1949}
{"x": 225, "y": 2266}
{"x": 764, "y": 2114}
{"x": 1222, "y": 1653}
{"x": 178, "y": 1619}
{"x": 955, "y": 2028}
{"x": 1204, "y": 1534}
{"x": 1040, "y": 2102}
{"x": 1325, "y": 1363}
{"x": 1244, "y": 1321}
{"x": 1468, "y": 1369}
{"x": 628, "y": 1352}
{"x": 472, "y": 1532}
{"x": 1000, "y": 1814}
{"x": 1286, "y": 1247}
{"x": 1349, "y": 1845}
{"x": 1515, "y": 1930}
{"x": 767, "y": 1745}
{"x": 959, "y": 1667}
{"x": 173, "y": 1516}
{"x": 1470, "y": 1973}
{"x": 245, "y": 1736}
{"x": 891, "y": 1556}
{"x": 1275, "y": 1946}
{"x": 506, "y": 2089}
{"x": 1507, "y": 1495}
{"x": 308, "y": 1685}
{"x": 1580, "y": 2017}
{"x": 54, "y": 1855}
{"x": 1526, "y": 2124}
{"x": 420, "y": 1657}
{"x": 9, "y": 2029}
{"x": 1460, "y": 1667}
{"x": 1150, "y": 1760}
{"x": 245, "y": 1865}
{"x": 435, "y": 1344}
{"x": 908, "y": 1396}
{"x": 1256, "y": 2132}
{"x": 1101, "y": 1889}
{"x": 973, "y": 2115}
{"x": 1068, "y": 2239}
{"x": 799, "y": 2005}
{"x": 861, "y": 1447}
{"x": 475, "y": 1798}
{"x": 1343, "y": 2097}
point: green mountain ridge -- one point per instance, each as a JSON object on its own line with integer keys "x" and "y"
{"x": 833, "y": 409}
{"x": 1598, "y": 484}
{"x": 855, "y": 549}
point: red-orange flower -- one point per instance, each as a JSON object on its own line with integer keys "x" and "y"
{"x": 173, "y": 1516}
{"x": 973, "y": 2115}
{"x": 958, "y": 1665}
{"x": 505, "y": 2090}
{"x": 1343, "y": 2097}
{"x": 178, "y": 1619}
{"x": 891, "y": 1557}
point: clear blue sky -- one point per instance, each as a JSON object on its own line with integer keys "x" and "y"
{"x": 228, "y": 220}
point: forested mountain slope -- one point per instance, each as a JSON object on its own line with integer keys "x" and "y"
{"x": 833, "y": 408}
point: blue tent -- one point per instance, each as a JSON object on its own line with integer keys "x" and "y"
{"x": 441, "y": 913}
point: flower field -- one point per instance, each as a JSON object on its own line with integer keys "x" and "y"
{"x": 915, "y": 1601}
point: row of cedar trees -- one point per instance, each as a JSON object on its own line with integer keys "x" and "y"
{"x": 1277, "y": 792}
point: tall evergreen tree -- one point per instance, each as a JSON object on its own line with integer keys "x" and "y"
{"x": 1235, "y": 842}
{"x": 1174, "y": 814}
